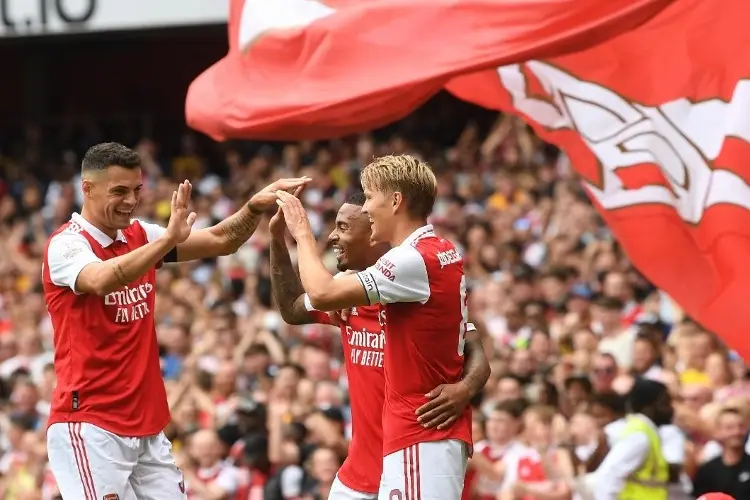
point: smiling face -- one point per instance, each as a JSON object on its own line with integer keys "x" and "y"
{"x": 112, "y": 195}
{"x": 350, "y": 239}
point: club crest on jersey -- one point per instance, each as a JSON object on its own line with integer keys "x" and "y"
{"x": 111, "y": 496}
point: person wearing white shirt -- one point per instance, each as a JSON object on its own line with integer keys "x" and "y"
{"x": 649, "y": 406}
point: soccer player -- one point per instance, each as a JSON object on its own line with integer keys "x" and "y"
{"x": 421, "y": 287}
{"x": 362, "y": 340}
{"x": 109, "y": 407}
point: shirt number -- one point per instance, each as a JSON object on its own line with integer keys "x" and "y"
{"x": 464, "y": 317}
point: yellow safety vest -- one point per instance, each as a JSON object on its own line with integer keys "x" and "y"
{"x": 650, "y": 481}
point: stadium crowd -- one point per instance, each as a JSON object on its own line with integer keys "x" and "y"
{"x": 259, "y": 408}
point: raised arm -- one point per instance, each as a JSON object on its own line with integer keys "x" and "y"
{"x": 324, "y": 293}
{"x": 72, "y": 262}
{"x": 285, "y": 284}
{"x": 398, "y": 276}
{"x": 230, "y": 234}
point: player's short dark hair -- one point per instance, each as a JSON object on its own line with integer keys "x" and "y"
{"x": 357, "y": 198}
{"x": 108, "y": 154}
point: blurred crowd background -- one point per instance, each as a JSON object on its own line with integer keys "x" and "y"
{"x": 260, "y": 408}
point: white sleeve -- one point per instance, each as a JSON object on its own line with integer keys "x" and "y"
{"x": 623, "y": 459}
{"x": 511, "y": 471}
{"x": 308, "y": 305}
{"x": 398, "y": 276}
{"x": 153, "y": 231}
{"x": 67, "y": 254}
{"x": 291, "y": 481}
{"x": 672, "y": 444}
{"x": 227, "y": 480}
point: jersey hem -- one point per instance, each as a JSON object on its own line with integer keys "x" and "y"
{"x": 102, "y": 423}
{"x": 395, "y": 445}
{"x": 352, "y": 485}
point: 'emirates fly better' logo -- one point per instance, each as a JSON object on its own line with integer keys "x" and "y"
{"x": 131, "y": 302}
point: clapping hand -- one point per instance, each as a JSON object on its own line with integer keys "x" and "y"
{"x": 294, "y": 214}
{"x": 277, "y": 226}
{"x": 266, "y": 197}
{"x": 182, "y": 219}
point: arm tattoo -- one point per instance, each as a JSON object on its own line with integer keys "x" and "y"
{"x": 120, "y": 274}
{"x": 476, "y": 366}
{"x": 286, "y": 287}
{"x": 238, "y": 227}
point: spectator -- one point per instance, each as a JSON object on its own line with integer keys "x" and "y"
{"x": 567, "y": 323}
{"x": 730, "y": 472}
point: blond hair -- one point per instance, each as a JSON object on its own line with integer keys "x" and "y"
{"x": 407, "y": 175}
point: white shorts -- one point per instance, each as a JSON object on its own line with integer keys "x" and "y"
{"x": 425, "y": 471}
{"x": 90, "y": 463}
{"x": 340, "y": 491}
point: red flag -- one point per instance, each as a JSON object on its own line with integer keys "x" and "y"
{"x": 657, "y": 123}
{"x": 649, "y": 98}
{"x": 308, "y": 69}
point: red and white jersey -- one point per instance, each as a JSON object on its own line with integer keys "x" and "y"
{"x": 363, "y": 343}
{"x": 225, "y": 476}
{"x": 106, "y": 354}
{"x": 421, "y": 287}
{"x": 487, "y": 488}
{"x": 526, "y": 465}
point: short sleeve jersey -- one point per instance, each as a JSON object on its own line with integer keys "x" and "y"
{"x": 106, "y": 354}
{"x": 363, "y": 342}
{"x": 421, "y": 286}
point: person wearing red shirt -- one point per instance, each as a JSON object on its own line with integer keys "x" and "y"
{"x": 109, "y": 407}
{"x": 421, "y": 287}
{"x": 362, "y": 340}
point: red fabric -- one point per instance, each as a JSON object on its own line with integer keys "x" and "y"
{"x": 354, "y": 65}
{"x": 655, "y": 122}
{"x": 637, "y": 92}
{"x": 106, "y": 350}
{"x": 422, "y": 350}
{"x": 362, "y": 342}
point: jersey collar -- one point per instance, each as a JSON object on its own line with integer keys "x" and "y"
{"x": 420, "y": 233}
{"x": 95, "y": 233}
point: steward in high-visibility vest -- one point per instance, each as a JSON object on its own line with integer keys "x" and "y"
{"x": 635, "y": 467}
{"x": 650, "y": 480}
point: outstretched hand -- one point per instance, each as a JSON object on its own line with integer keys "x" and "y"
{"x": 294, "y": 214}
{"x": 181, "y": 220}
{"x": 277, "y": 226}
{"x": 266, "y": 197}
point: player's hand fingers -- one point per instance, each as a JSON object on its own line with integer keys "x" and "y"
{"x": 344, "y": 314}
{"x": 451, "y": 420}
{"x": 299, "y": 190}
{"x": 435, "y": 392}
{"x": 428, "y": 407}
{"x": 191, "y": 219}
{"x": 181, "y": 195}
{"x": 188, "y": 193}
{"x": 173, "y": 203}
{"x": 436, "y": 421}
